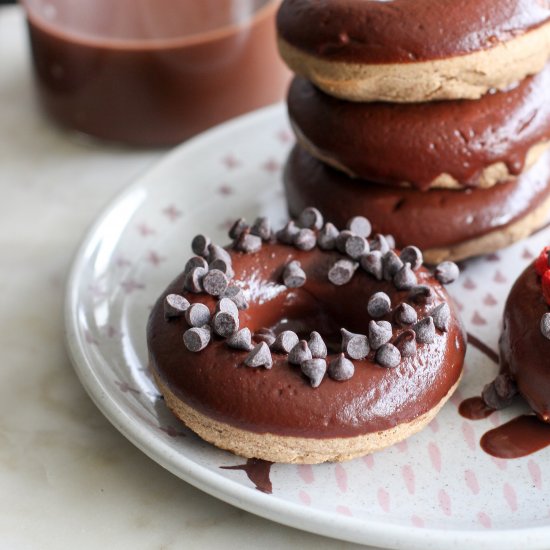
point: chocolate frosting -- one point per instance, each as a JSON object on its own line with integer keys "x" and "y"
{"x": 281, "y": 400}
{"x": 378, "y": 31}
{"x": 524, "y": 351}
{"x": 432, "y": 219}
{"x": 415, "y": 143}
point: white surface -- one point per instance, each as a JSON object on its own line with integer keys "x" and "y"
{"x": 415, "y": 495}
{"x": 68, "y": 479}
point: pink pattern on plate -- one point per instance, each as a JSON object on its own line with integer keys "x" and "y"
{"x": 417, "y": 521}
{"x": 527, "y": 254}
{"x": 271, "y": 166}
{"x": 305, "y": 471}
{"x": 494, "y": 257}
{"x": 225, "y": 190}
{"x": 145, "y": 230}
{"x": 477, "y": 319}
{"x": 344, "y": 510}
{"x": 171, "y": 212}
{"x": 341, "y": 477}
{"x": 304, "y": 498}
{"x": 444, "y": 502}
{"x": 499, "y": 277}
{"x": 471, "y": 481}
{"x": 408, "y": 476}
{"x": 500, "y": 462}
{"x": 369, "y": 461}
{"x": 490, "y": 300}
{"x": 402, "y": 446}
{"x": 468, "y": 284}
{"x": 536, "y": 475}
{"x": 434, "y": 425}
{"x": 130, "y": 285}
{"x": 384, "y": 499}
{"x": 435, "y": 456}
{"x": 484, "y": 519}
{"x": 154, "y": 258}
{"x": 469, "y": 435}
{"x": 510, "y": 496}
{"x": 231, "y": 161}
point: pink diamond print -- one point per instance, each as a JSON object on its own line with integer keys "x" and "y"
{"x": 271, "y": 166}
{"x": 284, "y": 136}
{"x": 231, "y": 162}
{"x": 130, "y": 285}
{"x": 154, "y": 258}
{"x": 145, "y": 230}
{"x": 172, "y": 213}
{"x": 225, "y": 190}
{"x": 121, "y": 261}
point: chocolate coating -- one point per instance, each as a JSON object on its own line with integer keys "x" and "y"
{"x": 280, "y": 400}
{"x": 400, "y": 31}
{"x": 431, "y": 219}
{"x": 394, "y": 143}
{"x": 524, "y": 351}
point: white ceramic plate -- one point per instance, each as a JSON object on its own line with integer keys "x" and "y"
{"x": 435, "y": 490}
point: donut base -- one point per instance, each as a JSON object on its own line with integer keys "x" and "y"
{"x": 292, "y": 450}
{"x": 462, "y": 77}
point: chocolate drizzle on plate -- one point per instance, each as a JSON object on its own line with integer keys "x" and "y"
{"x": 258, "y": 472}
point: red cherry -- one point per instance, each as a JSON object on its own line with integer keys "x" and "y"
{"x": 546, "y": 286}
{"x": 541, "y": 263}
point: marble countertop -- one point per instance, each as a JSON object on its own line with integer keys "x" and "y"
{"x": 68, "y": 479}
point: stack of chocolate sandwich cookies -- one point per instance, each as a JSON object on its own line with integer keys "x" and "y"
{"x": 435, "y": 127}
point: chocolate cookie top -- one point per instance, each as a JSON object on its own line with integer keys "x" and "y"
{"x": 401, "y": 31}
{"x": 417, "y": 143}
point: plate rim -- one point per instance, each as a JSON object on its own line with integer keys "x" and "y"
{"x": 357, "y": 530}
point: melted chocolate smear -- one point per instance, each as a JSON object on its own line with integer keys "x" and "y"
{"x": 257, "y": 471}
{"x": 519, "y": 437}
{"x": 483, "y": 348}
{"x": 474, "y": 408}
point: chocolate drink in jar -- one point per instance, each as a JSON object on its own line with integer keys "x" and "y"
{"x": 153, "y": 72}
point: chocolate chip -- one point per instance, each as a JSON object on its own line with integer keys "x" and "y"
{"x": 260, "y": 356}
{"x": 405, "y": 315}
{"x": 310, "y": 218}
{"x": 379, "y": 305}
{"x": 380, "y": 243}
{"x": 215, "y": 282}
{"x": 299, "y": 353}
{"x": 175, "y": 306}
{"x": 360, "y": 226}
{"x": 222, "y": 266}
{"x": 544, "y": 325}
{"x": 412, "y": 255}
{"x": 446, "y": 272}
{"x": 372, "y": 264}
{"x": 237, "y": 228}
{"x": 355, "y": 346}
{"x": 293, "y": 275}
{"x": 262, "y": 228}
{"x": 241, "y": 340}
{"x": 199, "y": 245}
{"x": 391, "y": 265}
{"x": 215, "y": 251}
{"x": 356, "y": 246}
{"x": 196, "y": 338}
{"x": 315, "y": 370}
{"x": 388, "y": 356}
{"x": 195, "y": 261}
{"x": 406, "y": 343}
{"x": 248, "y": 243}
{"x": 341, "y": 368}
{"x": 405, "y": 278}
{"x": 390, "y": 239}
{"x": 500, "y": 392}
{"x": 225, "y": 324}
{"x": 197, "y": 315}
{"x": 285, "y": 341}
{"x": 342, "y": 272}
{"x": 305, "y": 239}
{"x": 425, "y": 330}
{"x": 265, "y": 335}
{"x": 227, "y": 305}
{"x": 421, "y": 294}
{"x": 236, "y": 294}
{"x": 326, "y": 239}
{"x": 341, "y": 240}
{"x": 441, "y": 315}
{"x": 380, "y": 332}
{"x": 287, "y": 233}
{"x": 317, "y": 346}
{"x": 193, "y": 280}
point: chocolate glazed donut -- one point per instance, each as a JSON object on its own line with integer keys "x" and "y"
{"x": 446, "y": 224}
{"x": 449, "y": 144}
{"x": 403, "y": 51}
{"x": 254, "y": 402}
